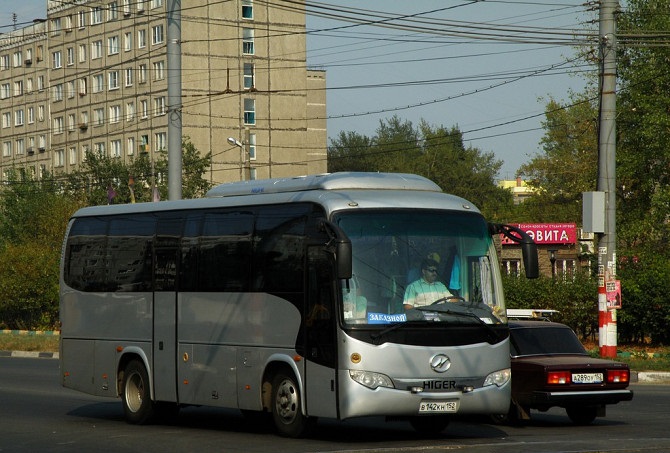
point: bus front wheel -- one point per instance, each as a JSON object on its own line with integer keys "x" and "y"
{"x": 286, "y": 407}
{"x": 137, "y": 404}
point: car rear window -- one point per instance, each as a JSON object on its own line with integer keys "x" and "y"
{"x": 545, "y": 341}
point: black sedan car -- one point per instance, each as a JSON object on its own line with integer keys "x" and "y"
{"x": 551, "y": 368}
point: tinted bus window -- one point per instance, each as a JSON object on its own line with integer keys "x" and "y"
{"x": 129, "y": 252}
{"x": 85, "y": 254}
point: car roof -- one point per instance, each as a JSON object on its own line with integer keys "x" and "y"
{"x": 538, "y": 324}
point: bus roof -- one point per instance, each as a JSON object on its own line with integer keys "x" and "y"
{"x": 326, "y": 181}
{"x": 334, "y": 191}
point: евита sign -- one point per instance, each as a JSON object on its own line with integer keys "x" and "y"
{"x": 548, "y": 233}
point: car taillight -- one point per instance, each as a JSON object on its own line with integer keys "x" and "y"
{"x": 617, "y": 376}
{"x": 558, "y": 377}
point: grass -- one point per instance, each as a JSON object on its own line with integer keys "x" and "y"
{"x": 28, "y": 342}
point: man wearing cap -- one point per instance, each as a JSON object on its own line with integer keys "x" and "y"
{"x": 427, "y": 289}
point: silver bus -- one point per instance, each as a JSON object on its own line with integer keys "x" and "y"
{"x": 285, "y": 299}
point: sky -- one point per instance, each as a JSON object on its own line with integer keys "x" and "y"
{"x": 487, "y": 67}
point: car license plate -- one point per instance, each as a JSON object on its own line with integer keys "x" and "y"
{"x": 438, "y": 406}
{"x": 587, "y": 378}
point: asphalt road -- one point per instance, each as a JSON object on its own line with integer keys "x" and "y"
{"x": 36, "y": 414}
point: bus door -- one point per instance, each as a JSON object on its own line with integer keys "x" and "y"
{"x": 165, "y": 309}
{"x": 320, "y": 320}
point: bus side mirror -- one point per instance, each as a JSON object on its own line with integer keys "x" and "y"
{"x": 342, "y": 249}
{"x": 528, "y": 246}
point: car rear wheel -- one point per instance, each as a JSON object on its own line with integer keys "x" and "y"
{"x": 582, "y": 415}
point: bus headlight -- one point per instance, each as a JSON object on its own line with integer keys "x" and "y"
{"x": 370, "y": 379}
{"x": 498, "y": 378}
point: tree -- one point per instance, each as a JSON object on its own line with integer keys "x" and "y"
{"x": 434, "y": 152}
{"x": 568, "y": 164}
{"x": 107, "y": 180}
{"x": 32, "y": 226}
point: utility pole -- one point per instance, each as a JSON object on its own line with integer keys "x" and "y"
{"x": 174, "y": 107}
{"x": 607, "y": 177}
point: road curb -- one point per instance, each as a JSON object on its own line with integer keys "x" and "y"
{"x": 650, "y": 377}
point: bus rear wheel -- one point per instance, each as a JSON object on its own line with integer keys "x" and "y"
{"x": 286, "y": 407}
{"x": 137, "y": 405}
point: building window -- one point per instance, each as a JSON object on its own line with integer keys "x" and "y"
{"x": 18, "y": 88}
{"x": 42, "y": 142}
{"x": 40, "y": 83}
{"x": 20, "y": 146}
{"x": 141, "y": 39}
{"x": 160, "y": 141}
{"x": 112, "y": 45}
{"x": 129, "y": 77}
{"x": 251, "y": 147}
{"x": 115, "y": 148}
{"x": 31, "y": 115}
{"x": 128, "y": 41}
{"x": 98, "y": 83}
{"x": 249, "y": 81}
{"x": 96, "y": 15}
{"x": 83, "y": 117}
{"x": 6, "y": 119}
{"x": 130, "y": 111}
{"x": 5, "y": 91}
{"x": 156, "y": 3}
{"x": 114, "y": 114}
{"x": 71, "y": 119}
{"x": 144, "y": 108}
{"x": 40, "y": 113}
{"x": 98, "y": 116}
{"x": 130, "y": 146}
{"x": 73, "y": 155}
{"x": 68, "y": 23}
{"x": 70, "y": 89}
{"x": 126, "y": 7}
{"x": 82, "y": 53}
{"x": 247, "y": 9}
{"x": 81, "y": 19}
{"x": 96, "y": 49}
{"x": 99, "y": 149}
{"x": 59, "y": 158}
{"x": 58, "y": 125}
{"x": 18, "y": 59}
{"x": 6, "y": 149}
{"x": 55, "y": 26}
{"x": 82, "y": 86}
{"x": 140, "y": 6}
{"x": 57, "y": 63}
{"x": 112, "y": 11}
{"x": 142, "y": 73}
{"x": 58, "y": 92}
{"x": 157, "y": 34}
{"x": 512, "y": 267}
{"x": 159, "y": 70}
{"x": 18, "y": 117}
{"x": 159, "y": 106}
{"x": 249, "y": 111}
{"x": 70, "y": 56}
{"x": 113, "y": 79}
{"x": 4, "y": 62}
{"x": 248, "y": 41}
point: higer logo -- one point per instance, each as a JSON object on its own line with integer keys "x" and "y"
{"x": 440, "y": 363}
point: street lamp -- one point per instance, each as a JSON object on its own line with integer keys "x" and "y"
{"x": 244, "y": 162}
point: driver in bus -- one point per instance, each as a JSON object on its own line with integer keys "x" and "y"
{"x": 426, "y": 289}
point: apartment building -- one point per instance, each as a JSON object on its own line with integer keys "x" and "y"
{"x": 93, "y": 77}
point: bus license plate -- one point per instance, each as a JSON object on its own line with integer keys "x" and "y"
{"x": 587, "y": 378}
{"x": 438, "y": 406}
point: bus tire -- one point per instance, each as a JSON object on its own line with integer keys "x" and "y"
{"x": 287, "y": 407}
{"x": 137, "y": 405}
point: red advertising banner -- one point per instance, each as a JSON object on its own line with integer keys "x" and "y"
{"x": 547, "y": 233}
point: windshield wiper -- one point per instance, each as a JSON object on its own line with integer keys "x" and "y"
{"x": 393, "y": 327}
{"x": 464, "y": 314}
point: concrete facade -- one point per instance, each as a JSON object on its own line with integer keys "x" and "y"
{"x": 97, "y": 81}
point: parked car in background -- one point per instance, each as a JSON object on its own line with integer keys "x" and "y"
{"x": 551, "y": 368}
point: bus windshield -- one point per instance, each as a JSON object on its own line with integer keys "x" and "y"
{"x": 420, "y": 265}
